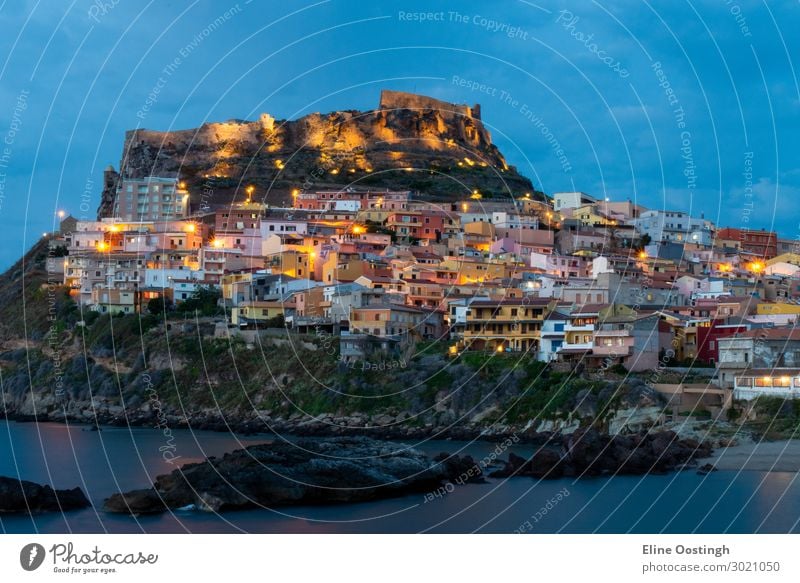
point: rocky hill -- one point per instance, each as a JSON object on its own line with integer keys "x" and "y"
{"x": 409, "y": 142}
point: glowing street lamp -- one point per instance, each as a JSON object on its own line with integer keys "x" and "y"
{"x": 61, "y": 214}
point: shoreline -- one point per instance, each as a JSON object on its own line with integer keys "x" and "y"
{"x": 762, "y": 456}
{"x": 316, "y": 428}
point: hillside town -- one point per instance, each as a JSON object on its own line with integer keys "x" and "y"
{"x": 574, "y": 280}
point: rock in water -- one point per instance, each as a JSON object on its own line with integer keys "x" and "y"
{"x": 23, "y": 496}
{"x": 340, "y": 469}
{"x": 587, "y": 452}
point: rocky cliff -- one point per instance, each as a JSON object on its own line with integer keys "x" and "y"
{"x": 409, "y": 142}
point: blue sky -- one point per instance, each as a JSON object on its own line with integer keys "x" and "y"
{"x": 73, "y": 77}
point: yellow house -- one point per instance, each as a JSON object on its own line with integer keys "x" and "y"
{"x": 793, "y": 258}
{"x": 373, "y": 215}
{"x": 258, "y": 312}
{"x": 476, "y": 271}
{"x": 383, "y": 320}
{"x": 590, "y": 216}
{"x": 480, "y": 228}
{"x": 292, "y": 263}
{"x": 229, "y": 280}
{"x": 764, "y": 309}
{"x": 113, "y": 301}
{"x": 508, "y": 325}
{"x": 343, "y": 267}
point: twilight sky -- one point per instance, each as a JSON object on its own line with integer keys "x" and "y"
{"x": 686, "y": 105}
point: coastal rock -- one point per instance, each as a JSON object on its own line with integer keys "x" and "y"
{"x": 339, "y": 469}
{"x": 464, "y": 467}
{"x": 146, "y": 501}
{"x": 587, "y": 452}
{"x": 23, "y": 496}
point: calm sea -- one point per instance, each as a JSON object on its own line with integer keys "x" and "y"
{"x": 114, "y": 460}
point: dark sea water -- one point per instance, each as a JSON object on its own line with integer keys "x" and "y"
{"x": 114, "y": 460}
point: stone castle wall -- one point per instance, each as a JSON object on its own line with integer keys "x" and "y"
{"x": 402, "y": 100}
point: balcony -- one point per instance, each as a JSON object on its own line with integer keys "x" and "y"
{"x": 576, "y": 346}
{"x": 612, "y": 333}
{"x": 579, "y": 328}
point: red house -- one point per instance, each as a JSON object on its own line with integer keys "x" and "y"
{"x": 708, "y": 336}
{"x": 764, "y": 244}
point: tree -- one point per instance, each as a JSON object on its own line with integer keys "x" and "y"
{"x": 158, "y": 306}
{"x": 275, "y": 322}
{"x": 613, "y": 239}
{"x": 204, "y": 300}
